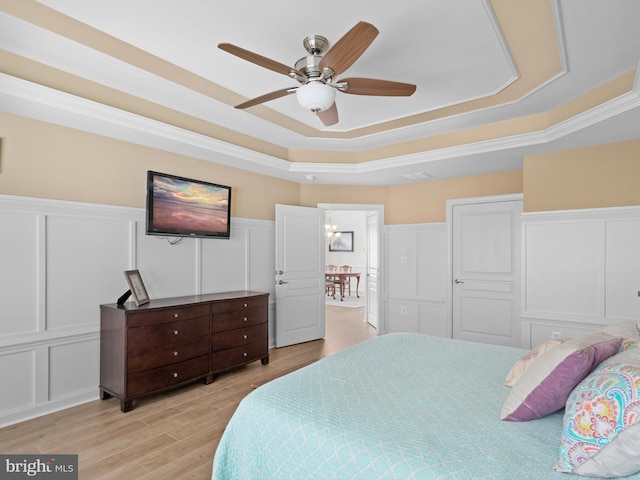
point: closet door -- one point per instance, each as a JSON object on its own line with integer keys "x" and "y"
{"x": 486, "y": 272}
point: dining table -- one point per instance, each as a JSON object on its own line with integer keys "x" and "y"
{"x": 342, "y": 278}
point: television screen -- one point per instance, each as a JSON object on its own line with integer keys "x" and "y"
{"x": 178, "y": 206}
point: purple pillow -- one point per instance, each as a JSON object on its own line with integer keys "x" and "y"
{"x": 547, "y": 383}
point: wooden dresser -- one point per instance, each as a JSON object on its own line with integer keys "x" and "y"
{"x": 174, "y": 341}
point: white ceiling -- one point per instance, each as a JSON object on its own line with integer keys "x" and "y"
{"x": 456, "y": 52}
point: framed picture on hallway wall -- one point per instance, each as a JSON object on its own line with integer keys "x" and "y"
{"x": 341, "y": 242}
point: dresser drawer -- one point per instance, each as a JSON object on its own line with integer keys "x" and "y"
{"x": 146, "y": 336}
{"x": 167, "y": 315}
{"x": 240, "y": 304}
{"x": 139, "y": 359}
{"x": 238, "y": 356}
{"x": 240, "y": 336}
{"x": 245, "y": 318}
{"x": 160, "y": 378}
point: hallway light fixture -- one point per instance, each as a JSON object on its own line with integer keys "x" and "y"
{"x": 330, "y": 229}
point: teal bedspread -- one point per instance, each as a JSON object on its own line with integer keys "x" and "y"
{"x": 397, "y": 406}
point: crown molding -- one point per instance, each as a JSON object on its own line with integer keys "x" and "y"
{"x": 32, "y": 100}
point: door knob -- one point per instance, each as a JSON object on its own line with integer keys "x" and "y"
{"x": 458, "y": 281}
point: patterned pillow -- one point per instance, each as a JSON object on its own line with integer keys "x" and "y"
{"x": 525, "y": 362}
{"x": 546, "y": 385}
{"x": 601, "y": 430}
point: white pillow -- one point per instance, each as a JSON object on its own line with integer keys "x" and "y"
{"x": 627, "y": 330}
{"x": 526, "y": 361}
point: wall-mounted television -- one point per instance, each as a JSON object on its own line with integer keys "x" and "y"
{"x": 183, "y": 207}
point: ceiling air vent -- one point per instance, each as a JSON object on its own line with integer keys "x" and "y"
{"x": 414, "y": 177}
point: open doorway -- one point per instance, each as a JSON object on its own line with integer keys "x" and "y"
{"x": 357, "y": 246}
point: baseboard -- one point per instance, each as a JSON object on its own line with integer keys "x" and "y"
{"x": 33, "y": 411}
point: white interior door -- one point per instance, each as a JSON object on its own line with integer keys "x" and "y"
{"x": 299, "y": 275}
{"x": 372, "y": 269}
{"x": 486, "y": 272}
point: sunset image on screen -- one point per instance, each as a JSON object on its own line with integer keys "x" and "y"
{"x": 185, "y": 205}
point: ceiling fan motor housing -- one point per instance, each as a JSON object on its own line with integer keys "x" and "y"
{"x": 309, "y": 66}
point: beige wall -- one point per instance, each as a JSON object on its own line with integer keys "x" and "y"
{"x": 38, "y": 159}
{"x": 593, "y": 177}
{"x": 423, "y": 202}
{"x": 312, "y": 195}
{"x": 426, "y": 202}
{"x": 42, "y": 160}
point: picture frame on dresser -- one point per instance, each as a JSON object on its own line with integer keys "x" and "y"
{"x": 136, "y": 285}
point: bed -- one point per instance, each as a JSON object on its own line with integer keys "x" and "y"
{"x": 398, "y": 406}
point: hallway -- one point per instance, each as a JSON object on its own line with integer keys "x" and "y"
{"x": 345, "y": 327}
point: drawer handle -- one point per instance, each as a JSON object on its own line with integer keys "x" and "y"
{"x": 244, "y": 354}
{"x": 244, "y": 305}
{"x": 176, "y": 315}
{"x": 244, "y": 319}
{"x": 244, "y": 336}
{"x": 176, "y": 332}
{"x": 175, "y": 354}
{"x": 175, "y": 375}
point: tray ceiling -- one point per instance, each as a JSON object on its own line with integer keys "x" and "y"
{"x": 495, "y": 81}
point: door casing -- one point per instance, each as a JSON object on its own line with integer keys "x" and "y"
{"x": 381, "y": 328}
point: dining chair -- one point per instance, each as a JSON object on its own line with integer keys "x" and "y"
{"x": 347, "y": 269}
{"x": 330, "y": 282}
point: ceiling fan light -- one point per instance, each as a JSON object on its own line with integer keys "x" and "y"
{"x": 316, "y": 96}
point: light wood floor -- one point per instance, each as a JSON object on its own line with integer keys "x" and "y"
{"x": 173, "y": 435}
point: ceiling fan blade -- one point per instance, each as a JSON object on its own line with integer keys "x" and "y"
{"x": 329, "y": 116}
{"x": 267, "y": 97}
{"x": 370, "y": 86}
{"x": 258, "y": 59}
{"x": 349, "y": 48}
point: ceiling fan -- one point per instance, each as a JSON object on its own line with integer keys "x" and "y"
{"x": 315, "y": 73}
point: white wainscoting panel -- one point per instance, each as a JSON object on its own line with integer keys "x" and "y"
{"x": 416, "y": 257}
{"x": 17, "y": 377}
{"x": 622, "y": 278}
{"x": 173, "y": 276}
{"x": 432, "y": 263}
{"x": 224, "y": 262}
{"x": 402, "y": 263}
{"x": 539, "y": 331}
{"x": 581, "y": 271}
{"x": 19, "y": 280}
{"x": 261, "y": 247}
{"x": 62, "y": 260}
{"x": 432, "y": 318}
{"x": 63, "y": 359}
{"x": 402, "y": 316}
{"x": 564, "y": 265}
{"x": 85, "y": 258}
